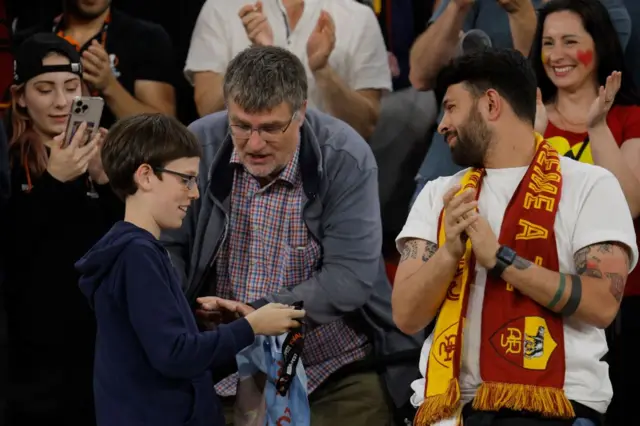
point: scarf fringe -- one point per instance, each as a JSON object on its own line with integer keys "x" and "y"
{"x": 439, "y": 407}
{"x": 547, "y": 401}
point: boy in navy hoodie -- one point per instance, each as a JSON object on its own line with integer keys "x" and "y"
{"x": 152, "y": 364}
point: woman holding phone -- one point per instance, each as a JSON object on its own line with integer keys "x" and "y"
{"x": 60, "y": 205}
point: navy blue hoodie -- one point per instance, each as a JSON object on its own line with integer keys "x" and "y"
{"x": 152, "y": 364}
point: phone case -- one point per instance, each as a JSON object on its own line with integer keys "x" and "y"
{"x": 84, "y": 108}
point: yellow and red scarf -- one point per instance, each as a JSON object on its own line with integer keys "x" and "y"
{"x": 522, "y": 360}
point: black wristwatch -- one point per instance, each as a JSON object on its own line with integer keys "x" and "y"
{"x": 504, "y": 258}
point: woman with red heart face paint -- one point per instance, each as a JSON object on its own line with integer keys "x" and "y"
{"x": 589, "y": 107}
{"x": 589, "y": 99}
{"x": 589, "y": 111}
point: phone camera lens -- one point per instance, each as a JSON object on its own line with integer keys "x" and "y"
{"x": 79, "y": 103}
{"x": 85, "y": 107}
{"x": 78, "y": 110}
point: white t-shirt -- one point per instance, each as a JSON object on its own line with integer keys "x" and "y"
{"x": 592, "y": 209}
{"x": 359, "y": 56}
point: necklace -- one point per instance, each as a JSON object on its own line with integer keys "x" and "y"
{"x": 567, "y": 121}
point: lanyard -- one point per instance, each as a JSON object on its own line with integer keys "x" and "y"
{"x": 291, "y": 352}
{"x": 57, "y": 28}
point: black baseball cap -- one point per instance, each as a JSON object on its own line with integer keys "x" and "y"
{"x": 32, "y": 51}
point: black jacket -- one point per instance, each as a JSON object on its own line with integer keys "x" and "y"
{"x": 51, "y": 330}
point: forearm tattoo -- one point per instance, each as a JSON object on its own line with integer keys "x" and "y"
{"x": 521, "y": 263}
{"x": 429, "y": 250}
{"x": 410, "y": 251}
{"x": 412, "y": 248}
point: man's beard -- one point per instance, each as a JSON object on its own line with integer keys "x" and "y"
{"x": 73, "y": 7}
{"x": 472, "y": 141}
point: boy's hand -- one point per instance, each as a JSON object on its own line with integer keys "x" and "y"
{"x": 215, "y": 310}
{"x": 275, "y": 319}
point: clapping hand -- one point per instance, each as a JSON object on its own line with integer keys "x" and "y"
{"x": 97, "y": 67}
{"x": 459, "y": 213}
{"x": 542, "y": 120}
{"x": 321, "y": 42}
{"x": 256, "y": 24}
{"x": 606, "y": 95}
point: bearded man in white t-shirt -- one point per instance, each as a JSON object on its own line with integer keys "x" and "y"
{"x": 515, "y": 258}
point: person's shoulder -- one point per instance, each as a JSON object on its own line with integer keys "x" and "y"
{"x": 572, "y": 169}
{"x": 144, "y": 262}
{"x": 144, "y": 30}
{"x": 224, "y": 7}
{"x": 624, "y": 113}
{"x": 211, "y": 131}
{"x": 580, "y": 178}
{"x": 216, "y": 12}
{"x": 211, "y": 128}
{"x": 142, "y": 244}
{"x": 429, "y": 202}
{"x": 351, "y": 14}
{"x": 423, "y": 218}
{"x": 625, "y": 109}
{"x": 142, "y": 253}
{"x": 337, "y": 139}
{"x": 435, "y": 189}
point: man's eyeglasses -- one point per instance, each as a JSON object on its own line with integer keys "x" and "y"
{"x": 190, "y": 181}
{"x": 267, "y": 133}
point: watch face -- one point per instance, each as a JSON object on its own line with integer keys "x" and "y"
{"x": 506, "y": 254}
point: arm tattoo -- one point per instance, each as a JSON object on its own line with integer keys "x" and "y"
{"x": 429, "y": 250}
{"x": 617, "y": 285}
{"x": 410, "y": 251}
{"x": 592, "y": 272}
{"x": 521, "y": 263}
{"x": 580, "y": 259}
{"x": 605, "y": 248}
{"x": 587, "y": 263}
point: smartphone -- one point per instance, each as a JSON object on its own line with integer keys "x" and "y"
{"x": 84, "y": 109}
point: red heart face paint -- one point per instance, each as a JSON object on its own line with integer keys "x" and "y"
{"x": 585, "y": 57}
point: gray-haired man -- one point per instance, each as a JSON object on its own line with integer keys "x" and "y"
{"x": 290, "y": 212}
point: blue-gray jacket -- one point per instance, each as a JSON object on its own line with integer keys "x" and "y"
{"x": 342, "y": 211}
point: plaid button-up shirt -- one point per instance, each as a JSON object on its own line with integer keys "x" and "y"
{"x": 269, "y": 247}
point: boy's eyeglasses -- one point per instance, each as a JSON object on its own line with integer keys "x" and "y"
{"x": 190, "y": 181}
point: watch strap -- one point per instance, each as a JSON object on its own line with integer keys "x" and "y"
{"x": 497, "y": 271}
